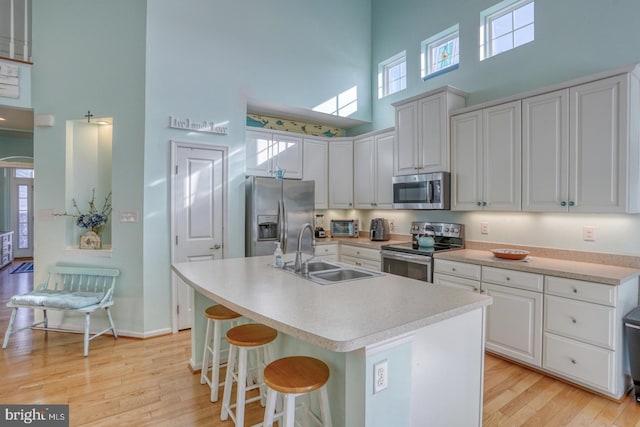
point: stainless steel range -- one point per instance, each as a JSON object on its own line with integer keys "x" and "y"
{"x": 412, "y": 260}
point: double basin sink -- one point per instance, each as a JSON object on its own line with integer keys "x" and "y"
{"x": 326, "y": 273}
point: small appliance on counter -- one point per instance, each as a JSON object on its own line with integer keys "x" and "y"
{"x": 379, "y": 229}
{"x": 319, "y": 230}
{"x": 344, "y": 228}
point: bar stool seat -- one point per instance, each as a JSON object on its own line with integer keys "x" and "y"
{"x": 294, "y": 376}
{"x": 252, "y": 336}
{"x": 216, "y": 315}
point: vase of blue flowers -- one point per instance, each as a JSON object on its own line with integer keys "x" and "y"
{"x": 92, "y": 221}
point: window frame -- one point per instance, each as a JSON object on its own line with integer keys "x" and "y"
{"x": 434, "y": 42}
{"x": 488, "y": 16}
{"x": 385, "y": 67}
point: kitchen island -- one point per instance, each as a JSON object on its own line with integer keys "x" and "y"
{"x": 431, "y": 337}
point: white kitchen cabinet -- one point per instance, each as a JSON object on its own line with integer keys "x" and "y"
{"x": 268, "y": 151}
{"x": 422, "y": 131}
{"x": 486, "y": 159}
{"x": 341, "y": 173}
{"x": 328, "y": 252}
{"x": 360, "y": 257}
{"x": 456, "y": 282}
{"x": 373, "y": 170}
{"x": 580, "y": 149}
{"x": 514, "y": 320}
{"x": 584, "y": 332}
{"x": 315, "y": 167}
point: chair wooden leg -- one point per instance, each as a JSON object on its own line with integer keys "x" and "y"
{"x": 270, "y": 408}
{"x": 113, "y": 327}
{"x": 87, "y": 322}
{"x": 10, "y": 328}
{"x": 205, "y": 354}
{"x": 226, "y": 396}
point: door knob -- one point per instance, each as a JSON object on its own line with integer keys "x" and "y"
{"x": 216, "y": 246}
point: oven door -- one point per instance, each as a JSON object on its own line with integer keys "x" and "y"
{"x": 407, "y": 265}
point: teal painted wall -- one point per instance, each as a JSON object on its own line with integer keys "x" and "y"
{"x": 204, "y": 60}
{"x": 573, "y": 38}
{"x": 90, "y": 55}
{"x": 140, "y": 62}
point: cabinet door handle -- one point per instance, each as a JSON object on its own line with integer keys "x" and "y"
{"x": 573, "y": 361}
{"x": 508, "y": 278}
{"x": 563, "y": 203}
{"x": 571, "y": 203}
{"x": 575, "y": 291}
{"x": 574, "y": 320}
{"x": 479, "y": 204}
{"x": 453, "y": 269}
{"x": 484, "y": 203}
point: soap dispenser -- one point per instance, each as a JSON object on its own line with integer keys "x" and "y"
{"x": 277, "y": 256}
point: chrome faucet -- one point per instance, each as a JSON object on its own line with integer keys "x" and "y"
{"x": 297, "y": 267}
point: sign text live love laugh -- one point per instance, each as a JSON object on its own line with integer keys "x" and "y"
{"x": 204, "y": 126}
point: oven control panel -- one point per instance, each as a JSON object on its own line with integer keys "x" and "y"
{"x": 438, "y": 228}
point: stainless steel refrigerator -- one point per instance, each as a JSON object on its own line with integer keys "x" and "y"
{"x": 276, "y": 209}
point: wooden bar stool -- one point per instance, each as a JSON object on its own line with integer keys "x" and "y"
{"x": 295, "y": 376}
{"x": 216, "y": 316}
{"x": 241, "y": 339}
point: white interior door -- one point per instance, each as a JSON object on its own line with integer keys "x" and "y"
{"x": 198, "y": 199}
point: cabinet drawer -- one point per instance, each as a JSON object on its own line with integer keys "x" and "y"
{"x": 593, "y": 366}
{"x": 460, "y": 269}
{"x": 358, "y": 252}
{"x": 591, "y": 323}
{"x": 578, "y": 289}
{"x": 456, "y": 282}
{"x": 515, "y": 279}
{"x": 360, "y": 262}
{"x": 321, "y": 250}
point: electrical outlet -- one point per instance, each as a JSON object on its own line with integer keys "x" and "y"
{"x": 589, "y": 233}
{"x": 484, "y": 228}
{"x": 380, "y": 376}
{"x": 392, "y": 224}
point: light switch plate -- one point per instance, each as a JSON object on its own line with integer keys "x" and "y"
{"x": 128, "y": 216}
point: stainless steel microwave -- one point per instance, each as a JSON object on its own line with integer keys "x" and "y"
{"x": 344, "y": 228}
{"x": 421, "y": 191}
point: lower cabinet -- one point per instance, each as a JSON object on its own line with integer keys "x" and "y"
{"x": 360, "y": 257}
{"x": 328, "y": 252}
{"x": 584, "y": 332}
{"x": 572, "y": 329}
{"x": 514, "y": 320}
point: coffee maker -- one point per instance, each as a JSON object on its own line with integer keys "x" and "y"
{"x": 379, "y": 229}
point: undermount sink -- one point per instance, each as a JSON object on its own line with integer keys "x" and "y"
{"x": 344, "y": 274}
{"x": 325, "y": 273}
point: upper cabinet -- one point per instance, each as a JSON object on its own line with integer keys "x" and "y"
{"x": 422, "y": 131}
{"x": 316, "y": 168}
{"x": 485, "y": 160}
{"x": 373, "y": 170}
{"x": 580, "y": 148}
{"x": 268, "y": 151}
{"x": 341, "y": 173}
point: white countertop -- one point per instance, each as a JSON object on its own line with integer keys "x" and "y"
{"x": 592, "y": 272}
{"x": 340, "y": 317}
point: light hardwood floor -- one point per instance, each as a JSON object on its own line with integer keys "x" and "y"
{"x": 131, "y": 382}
